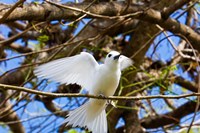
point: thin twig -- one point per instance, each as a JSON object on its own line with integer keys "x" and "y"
{"x": 138, "y": 13}
{"x": 44, "y": 50}
{"x": 11, "y": 10}
{"x": 49, "y": 94}
{"x": 168, "y": 11}
{"x": 11, "y": 39}
{"x": 175, "y": 48}
{"x": 198, "y": 83}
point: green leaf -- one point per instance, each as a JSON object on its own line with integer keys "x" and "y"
{"x": 43, "y": 38}
{"x": 72, "y": 25}
{"x": 72, "y": 131}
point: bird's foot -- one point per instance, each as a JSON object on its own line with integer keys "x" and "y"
{"x": 111, "y": 103}
{"x": 108, "y": 102}
{"x": 102, "y": 96}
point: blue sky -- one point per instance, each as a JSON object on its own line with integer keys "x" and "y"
{"x": 35, "y": 108}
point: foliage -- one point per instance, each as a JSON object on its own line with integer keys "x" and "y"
{"x": 161, "y": 37}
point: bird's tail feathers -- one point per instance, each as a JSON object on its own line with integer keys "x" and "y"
{"x": 99, "y": 124}
{"x": 79, "y": 117}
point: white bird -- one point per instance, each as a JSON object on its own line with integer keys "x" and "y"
{"x": 97, "y": 79}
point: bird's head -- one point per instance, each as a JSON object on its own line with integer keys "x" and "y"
{"x": 116, "y": 60}
{"x": 112, "y": 58}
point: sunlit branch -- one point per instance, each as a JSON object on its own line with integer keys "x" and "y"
{"x": 49, "y": 94}
{"x": 11, "y": 10}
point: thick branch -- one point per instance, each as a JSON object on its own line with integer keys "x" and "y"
{"x": 189, "y": 85}
{"x": 105, "y": 10}
{"x": 167, "y": 11}
{"x": 169, "y": 118}
{"x": 48, "y": 103}
{"x": 131, "y": 119}
{"x": 15, "y": 78}
{"x": 12, "y": 115}
{"x": 11, "y": 10}
{"x": 19, "y": 48}
{"x": 16, "y": 127}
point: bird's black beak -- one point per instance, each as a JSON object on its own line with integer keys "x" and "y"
{"x": 117, "y": 57}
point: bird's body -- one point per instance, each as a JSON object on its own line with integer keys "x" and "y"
{"x": 106, "y": 80}
{"x": 98, "y": 79}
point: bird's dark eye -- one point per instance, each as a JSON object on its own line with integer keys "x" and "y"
{"x": 109, "y": 55}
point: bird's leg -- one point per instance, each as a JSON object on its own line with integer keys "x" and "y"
{"x": 108, "y": 101}
{"x": 112, "y": 103}
{"x": 102, "y": 96}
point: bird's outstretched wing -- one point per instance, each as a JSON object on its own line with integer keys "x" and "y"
{"x": 125, "y": 62}
{"x": 77, "y": 69}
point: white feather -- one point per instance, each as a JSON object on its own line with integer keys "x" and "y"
{"x": 125, "y": 62}
{"x": 81, "y": 117}
{"x": 70, "y": 70}
{"x": 98, "y": 79}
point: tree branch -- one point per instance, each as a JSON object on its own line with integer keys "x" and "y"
{"x": 169, "y": 118}
{"x": 48, "y": 103}
{"x": 12, "y": 115}
{"x": 167, "y": 11}
{"x": 49, "y": 94}
{"x": 189, "y": 85}
{"x": 44, "y": 12}
{"x": 13, "y": 38}
{"x": 11, "y": 10}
